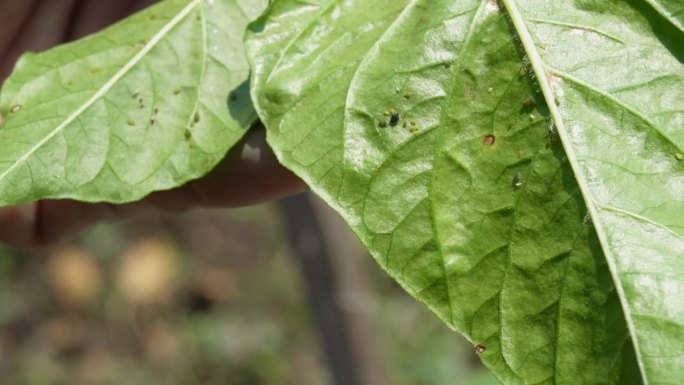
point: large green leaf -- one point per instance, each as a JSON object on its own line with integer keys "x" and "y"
{"x": 531, "y": 191}
{"x": 141, "y": 106}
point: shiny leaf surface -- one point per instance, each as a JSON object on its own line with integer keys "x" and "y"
{"x": 515, "y": 165}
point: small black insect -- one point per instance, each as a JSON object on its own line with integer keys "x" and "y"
{"x": 394, "y": 119}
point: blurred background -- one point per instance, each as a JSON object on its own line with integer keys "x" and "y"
{"x": 280, "y": 293}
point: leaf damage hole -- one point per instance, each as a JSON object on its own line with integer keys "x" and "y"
{"x": 489, "y": 140}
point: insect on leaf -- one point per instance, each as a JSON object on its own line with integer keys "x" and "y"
{"x": 539, "y": 209}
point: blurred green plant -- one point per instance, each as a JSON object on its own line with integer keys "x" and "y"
{"x": 234, "y": 314}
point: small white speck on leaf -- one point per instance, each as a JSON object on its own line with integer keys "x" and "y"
{"x": 493, "y": 6}
{"x": 517, "y": 180}
{"x": 577, "y": 32}
{"x": 556, "y": 84}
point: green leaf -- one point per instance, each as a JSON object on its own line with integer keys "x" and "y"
{"x": 672, "y": 10}
{"x": 531, "y": 192}
{"x": 141, "y": 106}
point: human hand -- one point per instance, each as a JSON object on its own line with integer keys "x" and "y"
{"x": 249, "y": 174}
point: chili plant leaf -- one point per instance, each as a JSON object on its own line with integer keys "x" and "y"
{"x": 672, "y": 10}
{"x": 144, "y": 105}
{"x": 516, "y": 165}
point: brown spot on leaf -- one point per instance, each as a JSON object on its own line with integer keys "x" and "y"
{"x": 16, "y": 108}
{"x": 489, "y": 140}
{"x": 479, "y": 349}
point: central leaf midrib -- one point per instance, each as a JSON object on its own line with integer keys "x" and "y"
{"x": 539, "y": 68}
{"x": 107, "y": 86}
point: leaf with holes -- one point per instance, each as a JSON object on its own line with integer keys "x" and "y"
{"x": 515, "y": 165}
{"x": 141, "y": 106}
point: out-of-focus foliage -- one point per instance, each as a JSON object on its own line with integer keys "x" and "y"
{"x": 202, "y": 298}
